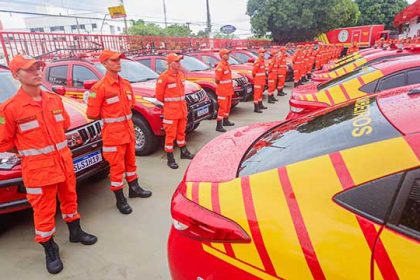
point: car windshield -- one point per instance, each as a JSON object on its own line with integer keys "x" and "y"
{"x": 232, "y": 61}
{"x": 132, "y": 71}
{"x": 8, "y": 87}
{"x": 346, "y": 77}
{"x": 192, "y": 64}
{"x": 334, "y": 130}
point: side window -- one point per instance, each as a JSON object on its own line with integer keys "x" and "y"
{"x": 372, "y": 200}
{"x": 392, "y": 82}
{"x": 146, "y": 62}
{"x": 81, "y": 74}
{"x": 57, "y": 75}
{"x": 413, "y": 77}
{"x": 370, "y": 87}
{"x": 410, "y": 217}
{"x": 161, "y": 65}
{"x": 211, "y": 61}
{"x": 242, "y": 57}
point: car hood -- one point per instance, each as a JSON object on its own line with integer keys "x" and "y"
{"x": 147, "y": 89}
{"x": 76, "y": 111}
{"x": 228, "y": 148}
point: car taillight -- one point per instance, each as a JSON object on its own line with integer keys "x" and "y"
{"x": 197, "y": 222}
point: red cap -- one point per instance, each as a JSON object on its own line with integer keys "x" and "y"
{"x": 173, "y": 57}
{"x": 108, "y": 54}
{"x": 222, "y": 52}
{"x": 24, "y": 62}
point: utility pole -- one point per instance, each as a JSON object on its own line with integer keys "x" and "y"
{"x": 208, "y": 18}
{"x": 164, "y": 13}
{"x": 125, "y": 18}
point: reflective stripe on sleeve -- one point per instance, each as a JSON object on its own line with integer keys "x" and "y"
{"x": 34, "y": 190}
{"x": 109, "y": 149}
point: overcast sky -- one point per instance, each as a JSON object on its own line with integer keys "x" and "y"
{"x": 194, "y": 11}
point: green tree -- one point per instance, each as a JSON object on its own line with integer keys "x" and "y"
{"x": 380, "y": 11}
{"x": 299, "y": 20}
{"x": 139, "y": 27}
{"x": 177, "y": 30}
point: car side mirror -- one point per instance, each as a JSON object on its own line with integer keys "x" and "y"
{"x": 89, "y": 84}
{"x": 60, "y": 90}
{"x": 251, "y": 60}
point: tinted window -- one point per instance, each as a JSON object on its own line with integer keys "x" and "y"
{"x": 210, "y": 60}
{"x": 192, "y": 64}
{"x": 161, "y": 65}
{"x": 372, "y": 200}
{"x": 81, "y": 74}
{"x": 370, "y": 87}
{"x": 132, "y": 71}
{"x": 241, "y": 57}
{"x": 411, "y": 214}
{"x": 413, "y": 77}
{"x": 336, "y": 129}
{"x": 392, "y": 82}
{"x": 146, "y": 62}
{"x": 57, "y": 75}
{"x": 8, "y": 87}
{"x": 232, "y": 60}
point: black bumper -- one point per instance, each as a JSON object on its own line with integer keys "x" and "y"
{"x": 243, "y": 93}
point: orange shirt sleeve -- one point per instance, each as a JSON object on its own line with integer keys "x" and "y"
{"x": 160, "y": 88}
{"x": 219, "y": 73}
{"x": 67, "y": 120}
{"x": 95, "y": 100}
{"x": 133, "y": 99}
{"x": 7, "y": 130}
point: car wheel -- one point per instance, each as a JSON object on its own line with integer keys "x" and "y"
{"x": 146, "y": 141}
{"x": 212, "y": 96}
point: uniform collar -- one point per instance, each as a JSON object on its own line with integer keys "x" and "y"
{"x": 173, "y": 73}
{"x": 27, "y": 99}
{"x": 224, "y": 62}
{"x": 111, "y": 80}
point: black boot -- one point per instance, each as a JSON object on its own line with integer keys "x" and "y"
{"x": 226, "y": 122}
{"x": 52, "y": 256}
{"x": 262, "y": 107}
{"x": 185, "y": 154}
{"x": 281, "y": 93}
{"x": 134, "y": 190}
{"x": 296, "y": 84}
{"x": 171, "y": 161}
{"x": 257, "y": 108}
{"x": 220, "y": 127}
{"x": 274, "y": 98}
{"x": 78, "y": 235}
{"x": 270, "y": 99}
{"x": 122, "y": 203}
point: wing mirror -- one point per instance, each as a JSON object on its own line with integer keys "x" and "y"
{"x": 89, "y": 84}
{"x": 60, "y": 90}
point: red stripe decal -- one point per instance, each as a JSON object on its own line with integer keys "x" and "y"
{"x": 254, "y": 227}
{"x": 344, "y": 69}
{"x": 380, "y": 255}
{"x": 304, "y": 97}
{"x": 345, "y": 92}
{"x": 302, "y": 232}
{"x": 194, "y": 192}
{"x": 361, "y": 81}
{"x": 414, "y": 142}
{"x": 314, "y": 96}
{"x": 216, "y": 208}
{"x": 327, "y": 92}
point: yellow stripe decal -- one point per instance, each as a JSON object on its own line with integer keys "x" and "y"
{"x": 188, "y": 193}
{"x": 337, "y": 95}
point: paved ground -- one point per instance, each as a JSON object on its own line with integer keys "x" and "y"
{"x": 129, "y": 247}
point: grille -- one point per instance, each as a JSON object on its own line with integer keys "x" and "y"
{"x": 241, "y": 81}
{"x": 196, "y": 97}
{"x": 91, "y": 132}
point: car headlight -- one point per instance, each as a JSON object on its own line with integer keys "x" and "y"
{"x": 74, "y": 139}
{"x": 235, "y": 83}
{"x": 8, "y": 160}
{"x": 154, "y": 101}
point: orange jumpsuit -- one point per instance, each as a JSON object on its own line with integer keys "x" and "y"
{"x": 224, "y": 89}
{"x": 273, "y": 72}
{"x": 170, "y": 91}
{"x": 112, "y": 99}
{"x": 37, "y": 130}
{"x": 258, "y": 72}
{"x": 282, "y": 73}
{"x": 297, "y": 66}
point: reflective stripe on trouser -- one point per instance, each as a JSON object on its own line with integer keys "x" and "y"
{"x": 258, "y": 93}
{"x": 43, "y": 201}
{"x": 225, "y": 104}
{"x": 175, "y": 131}
{"x": 272, "y": 84}
{"x": 122, "y": 162}
{"x": 281, "y": 81}
{"x": 296, "y": 76}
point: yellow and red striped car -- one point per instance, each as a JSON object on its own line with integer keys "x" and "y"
{"x": 334, "y": 195}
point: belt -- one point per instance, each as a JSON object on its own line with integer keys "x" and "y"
{"x": 119, "y": 119}
{"x": 43, "y": 151}
{"x": 174, "y": 99}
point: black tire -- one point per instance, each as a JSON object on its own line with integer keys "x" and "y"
{"x": 212, "y": 96}
{"x": 195, "y": 126}
{"x": 146, "y": 141}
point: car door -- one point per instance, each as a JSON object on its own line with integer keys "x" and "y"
{"x": 160, "y": 65}
{"x": 399, "y": 244}
{"x": 57, "y": 75}
{"x": 79, "y": 74}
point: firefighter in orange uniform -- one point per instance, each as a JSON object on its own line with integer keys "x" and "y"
{"x": 297, "y": 66}
{"x": 33, "y": 123}
{"x": 258, "y": 72}
{"x": 224, "y": 90}
{"x": 170, "y": 90}
{"x": 273, "y": 73}
{"x": 282, "y": 73}
{"x": 111, "y": 100}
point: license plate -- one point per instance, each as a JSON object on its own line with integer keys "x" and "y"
{"x": 87, "y": 161}
{"x": 249, "y": 90}
{"x": 203, "y": 111}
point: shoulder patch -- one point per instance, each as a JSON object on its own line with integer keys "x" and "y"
{"x": 160, "y": 81}
{"x": 2, "y": 120}
{"x": 92, "y": 94}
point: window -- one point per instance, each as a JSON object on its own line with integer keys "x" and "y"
{"x": 241, "y": 57}
{"x": 392, "y": 82}
{"x": 372, "y": 200}
{"x": 209, "y": 60}
{"x": 82, "y": 26}
{"x": 56, "y": 28}
{"x": 40, "y": 29}
{"x": 57, "y": 75}
{"x": 413, "y": 77}
{"x": 370, "y": 87}
{"x": 94, "y": 25}
{"x": 81, "y": 74}
{"x": 161, "y": 65}
{"x": 410, "y": 217}
{"x": 73, "y": 27}
{"x": 119, "y": 28}
{"x": 146, "y": 62}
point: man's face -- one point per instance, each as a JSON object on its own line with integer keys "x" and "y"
{"x": 261, "y": 55}
{"x": 31, "y": 76}
{"x": 176, "y": 65}
{"x": 226, "y": 57}
{"x": 113, "y": 65}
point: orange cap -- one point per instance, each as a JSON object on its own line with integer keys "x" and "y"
{"x": 22, "y": 61}
{"x": 173, "y": 57}
{"x": 222, "y": 52}
{"x": 108, "y": 54}
{"x": 262, "y": 50}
